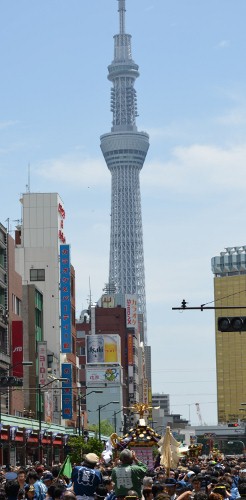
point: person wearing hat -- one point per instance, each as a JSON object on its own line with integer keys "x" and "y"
{"x": 86, "y": 478}
{"x": 47, "y": 479}
{"x": 170, "y": 487}
{"x": 29, "y": 491}
{"x": 128, "y": 475}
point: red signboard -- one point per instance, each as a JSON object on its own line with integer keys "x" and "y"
{"x": 130, "y": 349}
{"x": 17, "y": 348}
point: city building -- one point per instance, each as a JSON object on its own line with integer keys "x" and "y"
{"x": 161, "y": 400}
{"x": 124, "y": 150}
{"x": 13, "y": 398}
{"x": 109, "y": 354}
{"x": 43, "y": 260}
{"x": 229, "y": 269}
{"x": 4, "y": 327}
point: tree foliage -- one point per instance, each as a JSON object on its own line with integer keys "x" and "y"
{"x": 106, "y": 428}
{"x": 77, "y": 448}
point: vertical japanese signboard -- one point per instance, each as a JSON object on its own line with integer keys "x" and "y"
{"x": 67, "y": 393}
{"x": 65, "y": 295}
{"x": 42, "y": 363}
{"x": 145, "y": 391}
{"x": 130, "y": 349}
{"x": 131, "y": 311}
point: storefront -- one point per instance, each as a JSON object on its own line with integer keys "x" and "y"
{"x": 20, "y": 442}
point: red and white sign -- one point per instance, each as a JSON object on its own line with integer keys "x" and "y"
{"x": 42, "y": 363}
{"x": 131, "y": 311}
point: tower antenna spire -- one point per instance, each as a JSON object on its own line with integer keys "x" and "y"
{"x": 124, "y": 150}
{"x": 122, "y": 10}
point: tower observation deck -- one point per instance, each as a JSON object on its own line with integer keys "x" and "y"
{"x": 124, "y": 150}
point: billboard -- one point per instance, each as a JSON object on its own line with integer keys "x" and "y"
{"x": 145, "y": 391}
{"x": 131, "y": 311}
{"x": 130, "y": 349}
{"x": 108, "y": 301}
{"x": 42, "y": 363}
{"x": 105, "y": 374}
{"x": 103, "y": 349}
{"x": 67, "y": 396}
{"x": 65, "y": 297}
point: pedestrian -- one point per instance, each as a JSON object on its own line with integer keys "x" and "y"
{"x": 86, "y": 478}
{"x": 170, "y": 488}
{"x": 129, "y": 474}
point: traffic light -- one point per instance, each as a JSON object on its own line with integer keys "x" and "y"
{"x": 232, "y": 324}
{"x": 6, "y": 381}
{"x": 235, "y": 424}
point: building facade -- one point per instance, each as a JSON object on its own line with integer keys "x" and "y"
{"x": 109, "y": 357}
{"x": 161, "y": 400}
{"x": 229, "y": 269}
{"x": 40, "y": 244}
{"x": 4, "y": 307}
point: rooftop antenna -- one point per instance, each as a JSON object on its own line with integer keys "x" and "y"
{"x": 90, "y": 292}
{"x": 122, "y": 10}
{"x": 28, "y": 186}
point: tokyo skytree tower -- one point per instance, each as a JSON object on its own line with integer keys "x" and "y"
{"x": 124, "y": 150}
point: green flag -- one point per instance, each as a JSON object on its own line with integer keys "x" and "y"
{"x": 66, "y": 468}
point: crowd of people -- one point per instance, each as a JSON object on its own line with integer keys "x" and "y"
{"x": 127, "y": 478}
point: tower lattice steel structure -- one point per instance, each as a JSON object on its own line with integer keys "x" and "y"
{"x": 124, "y": 150}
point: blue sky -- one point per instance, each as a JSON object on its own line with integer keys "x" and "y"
{"x": 55, "y": 104}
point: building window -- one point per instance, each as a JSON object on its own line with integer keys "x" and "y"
{"x": 16, "y": 305}
{"x": 37, "y": 274}
{"x": 81, "y": 351}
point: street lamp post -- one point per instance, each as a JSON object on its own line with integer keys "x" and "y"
{"x": 83, "y": 396}
{"x": 99, "y": 416}
{"x": 115, "y": 422}
{"x": 40, "y": 387}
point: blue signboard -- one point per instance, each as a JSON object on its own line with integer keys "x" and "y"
{"x": 67, "y": 393}
{"x": 65, "y": 294}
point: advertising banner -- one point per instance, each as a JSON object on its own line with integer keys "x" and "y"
{"x": 65, "y": 297}
{"x": 103, "y": 349}
{"x": 145, "y": 391}
{"x": 67, "y": 395}
{"x": 48, "y": 405}
{"x": 17, "y": 348}
{"x": 108, "y": 301}
{"x": 130, "y": 349}
{"x": 104, "y": 374}
{"x": 42, "y": 363}
{"x": 131, "y": 311}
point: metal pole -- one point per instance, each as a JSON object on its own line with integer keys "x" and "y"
{"x": 79, "y": 399}
{"x": 99, "y": 422}
{"x": 1, "y": 445}
{"x": 83, "y": 423}
{"x": 39, "y": 422}
{"x": 115, "y": 426}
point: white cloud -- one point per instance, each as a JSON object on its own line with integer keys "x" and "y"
{"x": 223, "y": 44}
{"x": 198, "y": 167}
{"x": 7, "y": 124}
{"x": 76, "y": 171}
{"x": 190, "y": 169}
{"x": 233, "y": 117}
